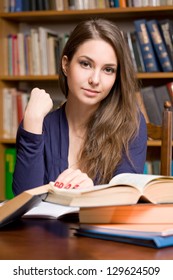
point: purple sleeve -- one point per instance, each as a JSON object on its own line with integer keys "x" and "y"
{"x": 29, "y": 169}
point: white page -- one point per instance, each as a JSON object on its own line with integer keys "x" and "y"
{"x": 49, "y": 210}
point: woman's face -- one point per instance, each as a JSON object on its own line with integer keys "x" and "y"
{"x": 92, "y": 72}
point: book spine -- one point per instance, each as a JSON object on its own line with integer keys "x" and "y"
{"x": 137, "y": 53}
{"x": 10, "y": 159}
{"x": 18, "y": 6}
{"x": 162, "y": 95}
{"x": 165, "y": 27}
{"x": 149, "y": 58}
{"x": 151, "y": 105}
{"x": 159, "y": 46}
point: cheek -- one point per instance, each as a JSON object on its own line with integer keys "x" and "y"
{"x": 108, "y": 84}
{"x": 75, "y": 76}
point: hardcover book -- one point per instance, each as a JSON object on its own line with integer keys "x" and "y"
{"x": 140, "y": 213}
{"x": 159, "y": 46}
{"x": 149, "y": 57}
{"x": 162, "y": 95}
{"x": 137, "y": 52}
{"x": 153, "y": 112}
{"x": 159, "y": 236}
{"x": 123, "y": 189}
{"x": 166, "y": 27}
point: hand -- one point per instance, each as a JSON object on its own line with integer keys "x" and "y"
{"x": 73, "y": 179}
{"x": 38, "y": 107}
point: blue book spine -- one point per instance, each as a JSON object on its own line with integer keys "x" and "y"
{"x": 116, "y": 3}
{"x": 149, "y": 57}
{"x": 18, "y": 6}
{"x": 159, "y": 46}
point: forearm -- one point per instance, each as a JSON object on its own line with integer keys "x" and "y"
{"x": 29, "y": 168}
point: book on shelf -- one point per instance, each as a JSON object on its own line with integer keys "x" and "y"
{"x": 150, "y": 102}
{"x": 159, "y": 46}
{"x": 166, "y": 27}
{"x": 44, "y": 34}
{"x": 162, "y": 95}
{"x": 129, "y": 41}
{"x": 13, "y": 101}
{"x": 10, "y": 160}
{"x": 155, "y": 236}
{"x": 21, "y": 53}
{"x": 123, "y": 189}
{"x": 148, "y": 54}
{"x": 137, "y": 52}
{"x": 6, "y": 108}
{"x": 152, "y": 167}
{"x": 36, "y": 51}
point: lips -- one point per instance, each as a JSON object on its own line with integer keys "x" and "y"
{"x": 90, "y": 92}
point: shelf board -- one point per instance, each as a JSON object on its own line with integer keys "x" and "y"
{"x": 30, "y": 78}
{"x": 161, "y": 75}
{"x": 7, "y": 140}
{"x": 155, "y": 75}
{"x": 154, "y": 143}
{"x": 68, "y": 15}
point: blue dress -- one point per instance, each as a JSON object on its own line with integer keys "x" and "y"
{"x": 41, "y": 158}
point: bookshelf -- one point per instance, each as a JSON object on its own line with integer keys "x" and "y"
{"x": 124, "y": 17}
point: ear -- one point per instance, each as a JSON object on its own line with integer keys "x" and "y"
{"x": 65, "y": 64}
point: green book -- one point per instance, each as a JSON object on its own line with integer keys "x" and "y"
{"x": 10, "y": 160}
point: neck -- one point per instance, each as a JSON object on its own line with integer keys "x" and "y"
{"x": 78, "y": 114}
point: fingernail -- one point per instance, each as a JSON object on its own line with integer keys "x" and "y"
{"x": 75, "y": 186}
{"x": 59, "y": 185}
{"x": 67, "y": 186}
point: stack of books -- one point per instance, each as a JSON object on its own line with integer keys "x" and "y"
{"x": 132, "y": 208}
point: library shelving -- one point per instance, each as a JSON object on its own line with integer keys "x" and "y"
{"x": 13, "y": 22}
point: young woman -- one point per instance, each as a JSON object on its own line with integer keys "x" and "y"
{"x": 99, "y": 131}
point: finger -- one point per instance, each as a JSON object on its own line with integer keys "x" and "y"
{"x": 86, "y": 184}
{"x": 68, "y": 175}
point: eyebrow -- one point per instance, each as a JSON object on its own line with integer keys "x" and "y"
{"x": 90, "y": 59}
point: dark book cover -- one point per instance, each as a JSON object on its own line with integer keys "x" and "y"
{"x": 159, "y": 46}
{"x": 151, "y": 105}
{"x": 153, "y": 241}
{"x": 137, "y": 52}
{"x": 148, "y": 54}
{"x": 166, "y": 27}
{"x": 162, "y": 95}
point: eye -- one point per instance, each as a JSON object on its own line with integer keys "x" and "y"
{"x": 85, "y": 64}
{"x": 110, "y": 70}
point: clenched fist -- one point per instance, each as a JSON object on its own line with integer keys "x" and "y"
{"x": 38, "y": 107}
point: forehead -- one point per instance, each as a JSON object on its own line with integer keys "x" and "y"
{"x": 97, "y": 49}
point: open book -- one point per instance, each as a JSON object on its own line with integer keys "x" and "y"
{"x": 123, "y": 189}
{"x": 46, "y": 210}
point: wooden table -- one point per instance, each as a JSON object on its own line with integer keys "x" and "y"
{"x": 51, "y": 239}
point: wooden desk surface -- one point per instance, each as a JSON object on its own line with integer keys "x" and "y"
{"x": 52, "y": 239}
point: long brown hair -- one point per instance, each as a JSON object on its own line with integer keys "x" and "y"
{"x": 116, "y": 121}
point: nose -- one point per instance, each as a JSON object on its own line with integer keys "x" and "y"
{"x": 94, "y": 78}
